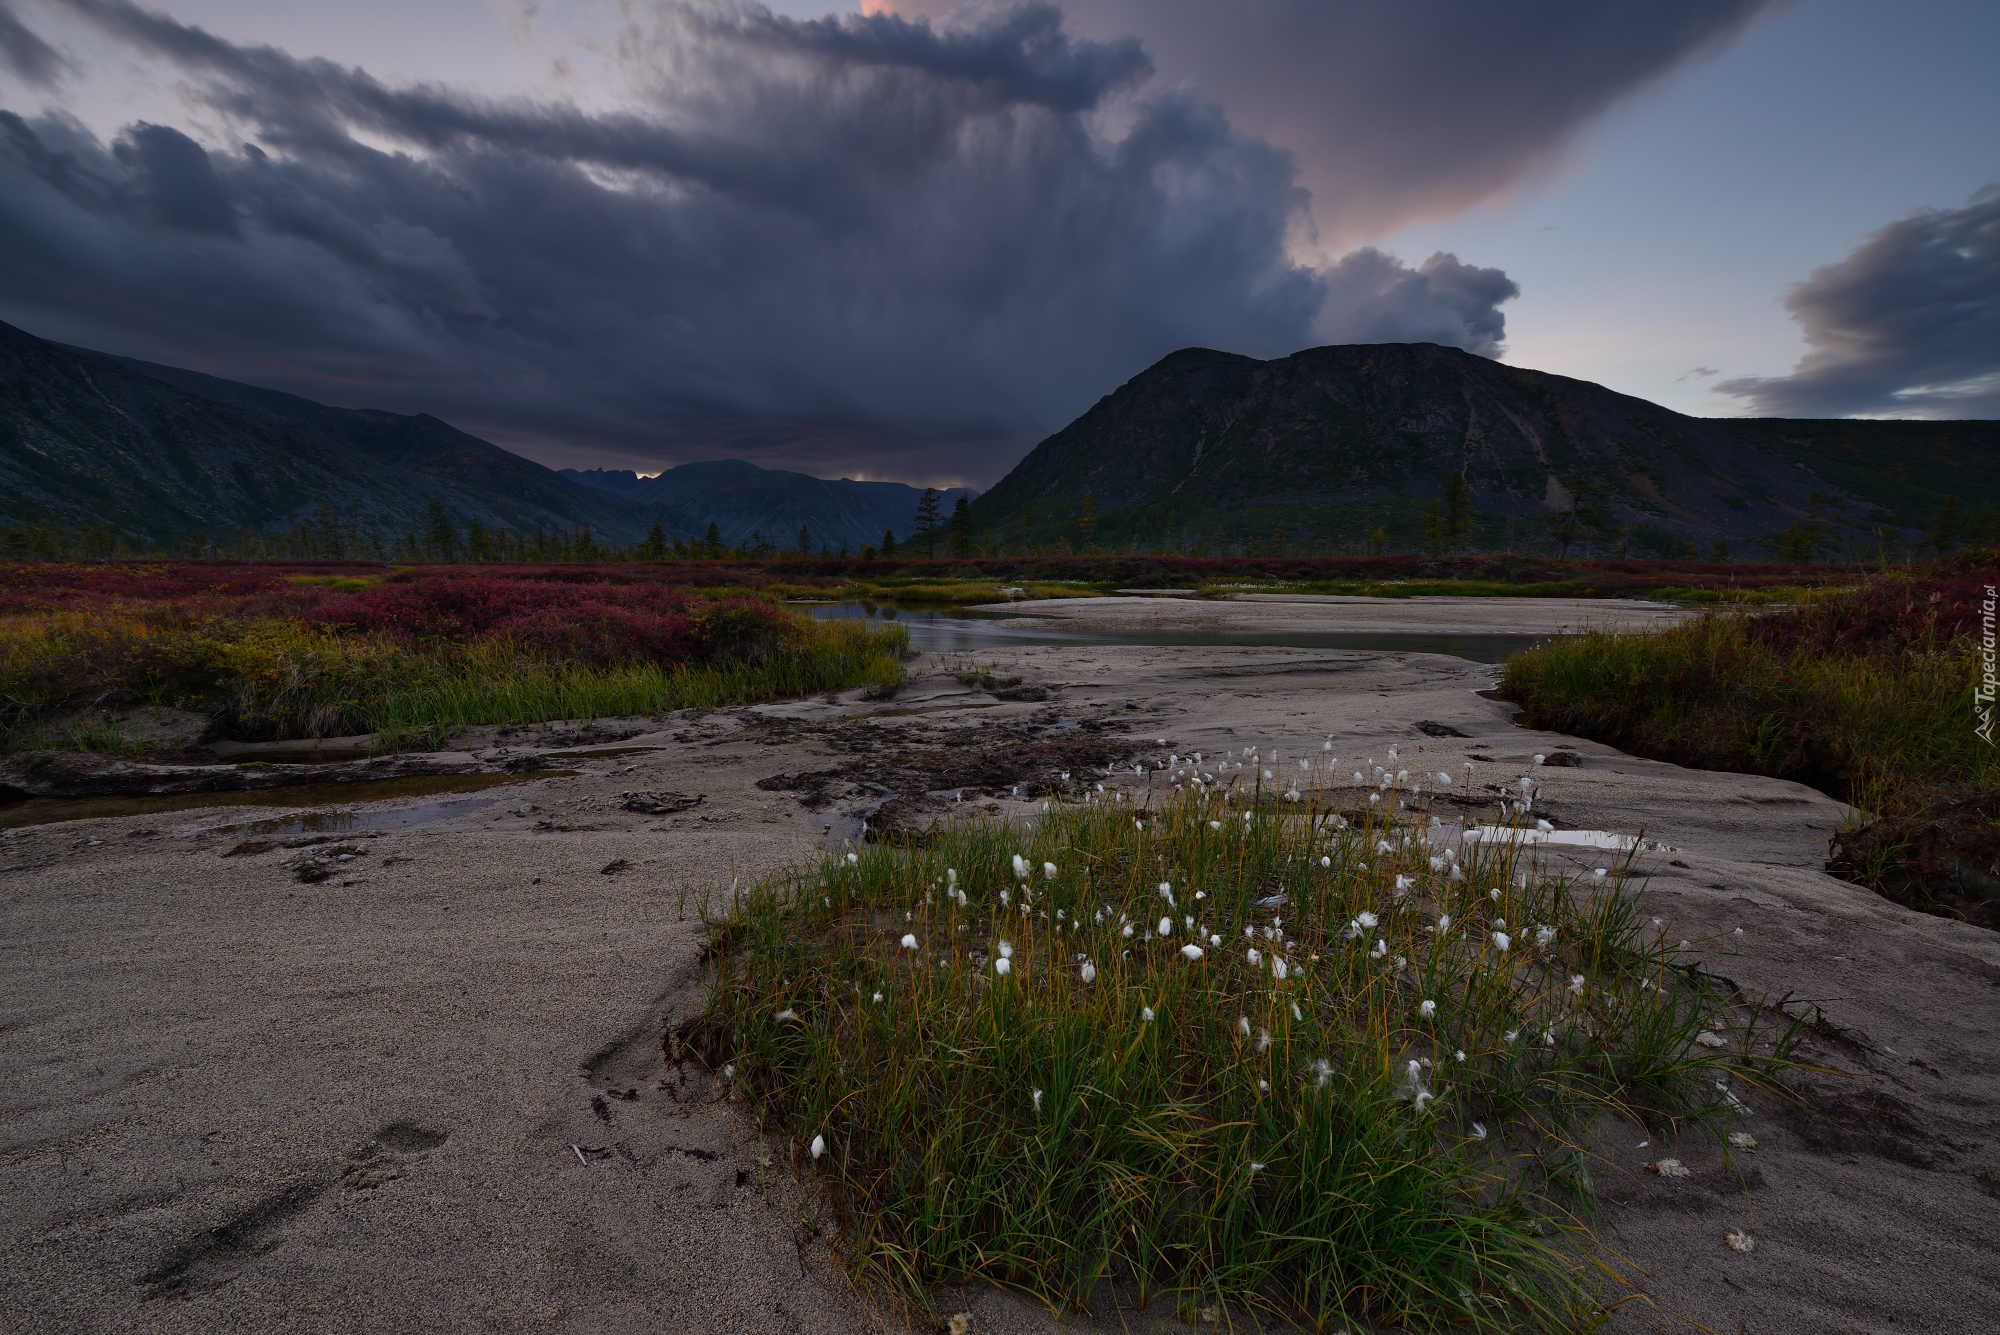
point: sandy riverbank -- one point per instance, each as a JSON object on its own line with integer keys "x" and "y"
{"x": 431, "y": 1092}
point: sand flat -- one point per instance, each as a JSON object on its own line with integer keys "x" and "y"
{"x": 398, "y": 1099}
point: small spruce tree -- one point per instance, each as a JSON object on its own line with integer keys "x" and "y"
{"x": 961, "y": 528}
{"x": 927, "y": 521}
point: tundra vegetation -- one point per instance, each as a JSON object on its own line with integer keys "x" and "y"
{"x": 1866, "y": 693}
{"x": 272, "y": 653}
{"x": 1307, "y": 1053}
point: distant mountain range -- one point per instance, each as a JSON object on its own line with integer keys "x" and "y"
{"x": 156, "y": 454}
{"x": 1203, "y": 450}
{"x": 1335, "y": 443}
{"x": 742, "y": 499}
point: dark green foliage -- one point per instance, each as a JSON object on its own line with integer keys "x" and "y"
{"x": 927, "y": 521}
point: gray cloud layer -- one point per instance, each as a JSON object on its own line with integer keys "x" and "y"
{"x": 863, "y": 245}
{"x": 1398, "y": 109}
{"x": 1907, "y": 325}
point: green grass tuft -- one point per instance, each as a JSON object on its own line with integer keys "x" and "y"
{"x": 1289, "y": 1132}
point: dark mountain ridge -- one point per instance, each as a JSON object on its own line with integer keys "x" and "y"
{"x": 156, "y": 453}
{"x": 741, "y": 499}
{"x": 1332, "y": 443}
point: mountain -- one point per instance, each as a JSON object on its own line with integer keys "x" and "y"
{"x": 741, "y": 499}
{"x": 1333, "y": 443}
{"x": 155, "y": 453}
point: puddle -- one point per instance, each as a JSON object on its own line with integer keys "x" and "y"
{"x": 49, "y": 810}
{"x": 963, "y": 630}
{"x": 608, "y": 751}
{"x": 1615, "y": 843}
{"x": 914, "y": 710}
{"x": 303, "y": 755}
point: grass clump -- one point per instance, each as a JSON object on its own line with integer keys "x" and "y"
{"x": 1280, "y": 1059}
{"x": 1865, "y": 694}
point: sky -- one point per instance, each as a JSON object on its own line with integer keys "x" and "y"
{"x": 911, "y": 242}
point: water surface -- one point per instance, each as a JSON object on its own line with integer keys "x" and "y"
{"x": 966, "y": 630}
{"x": 47, "y": 810}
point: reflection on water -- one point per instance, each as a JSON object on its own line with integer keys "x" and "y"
{"x": 47, "y": 810}
{"x": 964, "y": 630}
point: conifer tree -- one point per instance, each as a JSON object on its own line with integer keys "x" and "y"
{"x": 961, "y": 528}
{"x": 927, "y": 520}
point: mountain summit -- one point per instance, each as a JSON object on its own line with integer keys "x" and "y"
{"x": 1331, "y": 444}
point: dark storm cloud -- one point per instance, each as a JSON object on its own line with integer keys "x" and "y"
{"x": 1399, "y": 109}
{"x": 21, "y": 51}
{"x": 1908, "y": 324}
{"x": 855, "y": 245}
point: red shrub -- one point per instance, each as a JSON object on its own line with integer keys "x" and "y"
{"x": 1882, "y": 617}
{"x": 596, "y": 623}
{"x": 602, "y": 634}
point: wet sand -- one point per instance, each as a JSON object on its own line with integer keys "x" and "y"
{"x": 432, "y": 1091}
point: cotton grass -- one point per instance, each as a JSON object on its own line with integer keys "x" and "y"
{"x": 1078, "y": 1103}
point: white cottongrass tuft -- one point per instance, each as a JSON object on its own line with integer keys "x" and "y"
{"x": 1279, "y": 969}
{"x": 1367, "y": 920}
{"x": 878, "y": 998}
{"x": 1191, "y": 952}
{"x": 1544, "y": 826}
{"x": 1020, "y": 868}
{"x": 1049, "y": 870}
{"x": 909, "y": 940}
{"x": 788, "y": 1014}
{"x": 1166, "y": 927}
{"x": 1478, "y": 1131}
{"x": 1243, "y": 1025}
{"x": 818, "y": 1146}
{"x": 1006, "y": 949}
{"x": 1038, "y": 1100}
{"x": 1326, "y": 862}
{"x": 1296, "y": 1013}
{"x": 1576, "y": 984}
{"x": 1263, "y": 1040}
{"x": 1127, "y": 933}
{"x": 1003, "y": 967}
{"x": 853, "y": 858}
{"x": 1089, "y": 972}
{"x": 1381, "y": 948}
{"x": 1146, "y": 1014}
{"x": 1540, "y": 759}
{"x": 1427, "y": 1010}
{"x": 1459, "y": 1055}
{"x": 1545, "y": 937}
{"x": 1598, "y": 874}
{"x": 1501, "y": 941}
{"x": 1256, "y": 961}
{"x": 1444, "y": 922}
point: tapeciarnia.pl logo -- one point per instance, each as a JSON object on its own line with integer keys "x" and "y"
{"x": 1982, "y": 695}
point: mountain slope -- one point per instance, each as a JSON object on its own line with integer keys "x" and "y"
{"x": 741, "y": 498}
{"x": 1333, "y": 442}
{"x": 514, "y": 492}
